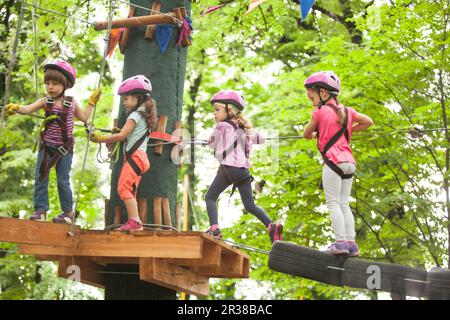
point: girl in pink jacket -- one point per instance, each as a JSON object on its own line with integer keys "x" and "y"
{"x": 232, "y": 140}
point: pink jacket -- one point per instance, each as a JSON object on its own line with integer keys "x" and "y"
{"x": 223, "y": 141}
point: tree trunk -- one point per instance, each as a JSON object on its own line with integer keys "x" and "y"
{"x": 166, "y": 71}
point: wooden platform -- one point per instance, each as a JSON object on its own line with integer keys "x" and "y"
{"x": 182, "y": 261}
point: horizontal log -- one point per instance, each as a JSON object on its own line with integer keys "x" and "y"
{"x": 137, "y": 21}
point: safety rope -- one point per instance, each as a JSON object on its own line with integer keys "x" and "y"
{"x": 102, "y": 70}
{"x": 11, "y": 65}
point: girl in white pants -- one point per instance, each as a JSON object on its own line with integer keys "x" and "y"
{"x": 332, "y": 124}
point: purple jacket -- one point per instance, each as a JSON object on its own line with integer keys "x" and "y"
{"x": 232, "y": 146}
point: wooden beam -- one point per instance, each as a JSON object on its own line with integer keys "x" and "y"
{"x": 157, "y": 210}
{"x": 178, "y": 216}
{"x": 211, "y": 257}
{"x": 34, "y": 232}
{"x": 178, "y": 149}
{"x": 82, "y": 267}
{"x": 231, "y": 266}
{"x": 125, "y": 245}
{"x": 150, "y": 32}
{"x": 166, "y": 212}
{"x": 163, "y": 273}
{"x": 142, "y": 203}
{"x": 137, "y": 21}
{"x": 106, "y": 210}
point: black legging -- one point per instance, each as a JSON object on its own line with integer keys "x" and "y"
{"x": 224, "y": 178}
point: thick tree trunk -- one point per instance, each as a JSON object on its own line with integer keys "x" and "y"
{"x": 167, "y": 73}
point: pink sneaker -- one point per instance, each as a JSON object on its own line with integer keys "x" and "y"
{"x": 131, "y": 225}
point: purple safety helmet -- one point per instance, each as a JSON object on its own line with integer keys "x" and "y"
{"x": 327, "y": 80}
{"x": 231, "y": 97}
{"x": 65, "y": 68}
{"x": 134, "y": 85}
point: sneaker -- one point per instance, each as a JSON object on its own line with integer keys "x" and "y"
{"x": 38, "y": 215}
{"x": 63, "y": 218}
{"x": 275, "y": 231}
{"x": 215, "y": 233}
{"x": 131, "y": 225}
{"x": 339, "y": 247}
{"x": 353, "y": 250}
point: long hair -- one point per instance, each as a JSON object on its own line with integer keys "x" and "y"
{"x": 241, "y": 120}
{"x": 150, "y": 110}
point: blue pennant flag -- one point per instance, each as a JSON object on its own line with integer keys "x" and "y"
{"x": 163, "y": 36}
{"x": 306, "y": 5}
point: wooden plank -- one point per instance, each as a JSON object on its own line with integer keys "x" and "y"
{"x": 150, "y": 31}
{"x": 47, "y": 257}
{"x": 115, "y": 260}
{"x": 166, "y": 212}
{"x": 112, "y": 245}
{"x": 211, "y": 257}
{"x": 178, "y": 216}
{"x": 165, "y": 274}
{"x": 231, "y": 266}
{"x": 162, "y": 125}
{"x": 157, "y": 213}
{"x": 142, "y": 203}
{"x": 34, "y": 232}
{"x": 82, "y": 267}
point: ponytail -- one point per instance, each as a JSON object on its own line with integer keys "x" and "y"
{"x": 150, "y": 111}
{"x": 340, "y": 111}
{"x": 243, "y": 122}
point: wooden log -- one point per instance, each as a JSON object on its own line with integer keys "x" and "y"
{"x": 178, "y": 216}
{"x": 177, "y": 13}
{"x": 166, "y": 212}
{"x": 117, "y": 214}
{"x": 126, "y": 32}
{"x": 162, "y": 125}
{"x": 165, "y": 274}
{"x": 83, "y": 268}
{"x": 137, "y": 21}
{"x": 150, "y": 32}
{"x": 34, "y": 232}
{"x": 157, "y": 210}
{"x": 142, "y": 204}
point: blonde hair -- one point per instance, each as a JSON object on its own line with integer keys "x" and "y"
{"x": 242, "y": 121}
{"x": 340, "y": 111}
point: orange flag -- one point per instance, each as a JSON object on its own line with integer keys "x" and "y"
{"x": 114, "y": 39}
{"x": 253, "y": 5}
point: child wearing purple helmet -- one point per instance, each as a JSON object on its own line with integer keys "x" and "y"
{"x": 56, "y": 140}
{"x": 332, "y": 124}
{"x": 231, "y": 140}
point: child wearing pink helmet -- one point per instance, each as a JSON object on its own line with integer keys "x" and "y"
{"x": 232, "y": 140}
{"x": 332, "y": 124}
{"x": 56, "y": 141}
{"x": 141, "y": 120}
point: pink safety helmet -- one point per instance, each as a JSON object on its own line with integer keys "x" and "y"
{"x": 324, "y": 79}
{"x": 65, "y": 68}
{"x": 135, "y": 84}
{"x": 230, "y": 96}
